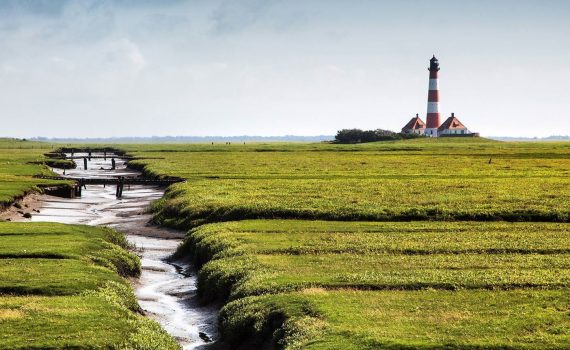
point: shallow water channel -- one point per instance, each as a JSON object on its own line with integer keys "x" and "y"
{"x": 166, "y": 290}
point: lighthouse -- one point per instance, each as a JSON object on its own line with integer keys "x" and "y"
{"x": 451, "y": 127}
{"x": 432, "y": 120}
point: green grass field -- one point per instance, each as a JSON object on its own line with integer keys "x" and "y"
{"x": 19, "y": 162}
{"x": 392, "y": 284}
{"x": 425, "y": 244}
{"x": 425, "y": 319}
{"x": 462, "y": 277}
{"x": 61, "y": 260}
{"x": 63, "y": 286}
{"x": 85, "y": 244}
{"x": 96, "y": 320}
{"x": 448, "y": 179}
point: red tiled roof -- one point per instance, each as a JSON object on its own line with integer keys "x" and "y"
{"x": 451, "y": 123}
{"x": 415, "y": 123}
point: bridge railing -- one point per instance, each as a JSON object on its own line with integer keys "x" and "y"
{"x": 115, "y": 180}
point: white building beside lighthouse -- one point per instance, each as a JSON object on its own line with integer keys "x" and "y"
{"x": 415, "y": 126}
{"x": 452, "y": 126}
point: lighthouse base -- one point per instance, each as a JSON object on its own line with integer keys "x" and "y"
{"x": 431, "y": 132}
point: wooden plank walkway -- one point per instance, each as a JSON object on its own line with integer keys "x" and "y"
{"x": 100, "y": 157}
{"x": 119, "y": 181}
{"x": 114, "y": 181}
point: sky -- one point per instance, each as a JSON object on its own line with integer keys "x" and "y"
{"x": 109, "y": 68}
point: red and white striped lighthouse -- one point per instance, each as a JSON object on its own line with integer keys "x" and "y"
{"x": 432, "y": 120}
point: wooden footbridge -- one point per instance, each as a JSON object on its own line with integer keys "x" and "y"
{"x": 119, "y": 181}
{"x": 103, "y": 157}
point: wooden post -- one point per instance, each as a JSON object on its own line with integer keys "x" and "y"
{"x": 113, "y": 164}
{"x": 89, "y": 155}
{"x": 120, "y": 185}
{"x": 104, "y": 155}
{"x": 84, "y": 163}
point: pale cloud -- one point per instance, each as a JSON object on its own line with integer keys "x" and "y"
{"x": 32, "y": 7}
{"x": 132, "y": 54}
{"x": 63, "y": 63}
{"x": 233, "y": 16}
{"x": 9, "y": 69}
{"x": 334, "y": 69}
{"x": 56, "y": 8}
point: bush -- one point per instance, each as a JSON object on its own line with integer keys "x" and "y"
{"x": 361, "y": 136}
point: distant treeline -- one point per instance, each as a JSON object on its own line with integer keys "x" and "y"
{"x": 360, "y": 136}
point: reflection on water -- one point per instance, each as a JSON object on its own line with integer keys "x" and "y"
{"x": 166, "y": 291}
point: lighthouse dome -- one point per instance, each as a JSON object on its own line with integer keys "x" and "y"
{"x": 433, "y": 64}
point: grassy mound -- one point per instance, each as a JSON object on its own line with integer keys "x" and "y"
{"x": 451, "y": 179}
{"x": 269, "y": 270}
{"x": 426, "y": 319}
{"x": 98, "y": 319}
{"x": 19, "y": 162}
{"x": 87, "y": 245}
{"x": 62, "y": 287}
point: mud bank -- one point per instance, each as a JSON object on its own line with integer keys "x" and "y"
{"x": 30, "y": 203}
{"x": 166, "y": 290}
